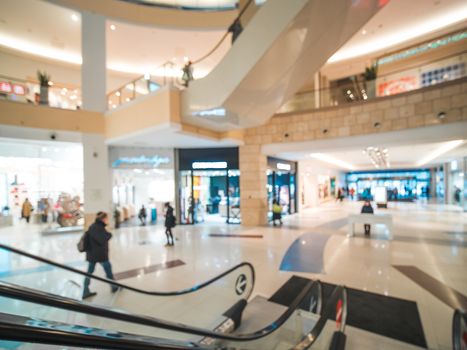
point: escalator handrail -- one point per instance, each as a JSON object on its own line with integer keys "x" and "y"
{"x": 134, "y": 289}
{"x": 330, "y": 309}
{"x": 38, "y": 297}
{"x": 35, "y": 331}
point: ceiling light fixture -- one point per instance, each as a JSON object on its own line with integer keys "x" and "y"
{"x": 75, "y": 17}
{"x": 379, "y": 157}
{"x": 113, "y": 27}
{"x": 444, "y": 148}
{"x": 331, "y": 160}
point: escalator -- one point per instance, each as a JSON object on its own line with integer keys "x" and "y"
{"x": 30, "y": 316}
{"x": 279, "y": 50}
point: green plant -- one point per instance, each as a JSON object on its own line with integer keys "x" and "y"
{"x": 371, "y": 72}
{"x": 43, "y": 78}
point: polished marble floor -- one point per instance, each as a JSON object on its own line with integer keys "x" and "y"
{"x": 431, "y": 239}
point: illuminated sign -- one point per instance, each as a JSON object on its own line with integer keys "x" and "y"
{"x": 9, "y": 88}
{"x": 283, "y": 166}
{"x": 215, "y": 112}
{"x": 154, "y": 161}
{"x": 209, "y": 165}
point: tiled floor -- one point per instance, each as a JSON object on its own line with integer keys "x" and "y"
{"x": 429, "y": 237}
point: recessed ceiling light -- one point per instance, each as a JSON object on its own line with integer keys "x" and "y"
{"x": 363, "y": 31}
{"x": 113, "y": 27}
{"x": 74, "y": 17}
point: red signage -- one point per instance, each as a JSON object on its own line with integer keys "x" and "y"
{"x": 9, "y": 88}
{"x": 5, "y": 87}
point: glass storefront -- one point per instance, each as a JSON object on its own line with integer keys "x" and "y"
{"x": 48, "y": 174}
{"x": 141, "y": 177}
{"x": 401, "y": 185}
{"x": 282, "y": 185}
{"x": 456, "y": 182}
{"x": 209, "y": 186}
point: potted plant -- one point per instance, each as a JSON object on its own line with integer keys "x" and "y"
{"x": 370, "y": 80}
{"x": 44, "y": 80}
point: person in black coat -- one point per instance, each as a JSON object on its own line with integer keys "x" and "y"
{"x": 169, "y": 223}
{"x": 367, "y": 209}
{"x": 97, "y": 251}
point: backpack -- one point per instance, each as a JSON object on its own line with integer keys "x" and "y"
{"x": 83, "y": 243}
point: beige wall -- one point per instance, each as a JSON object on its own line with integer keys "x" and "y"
{"x": 54, "y": 119}
{"x": 156, "y": 109}
{"x": 411, "y": 110}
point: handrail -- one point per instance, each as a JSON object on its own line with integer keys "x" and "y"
{"x": 125, "y": 286}
{"x": 339, "y": 293}
{"x": 459, "y": 323}
{"x": 240, "y": 14}
{"x": 36, "y": 330}
{"x": 25, "y": 329}
{"x": 13, "y": 291}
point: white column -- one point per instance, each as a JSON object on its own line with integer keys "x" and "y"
{"x": 93, "y": 69}
{"x": 97, "y": 181}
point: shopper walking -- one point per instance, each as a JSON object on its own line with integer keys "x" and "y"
{"x": 142, "y": 215}
{"x": 26, "y": 210}
{"x": 276, "y": 212}
{"x": 97, "y": 251}
{"x": 367, "y": 209}
{"x": 169, "y": 223}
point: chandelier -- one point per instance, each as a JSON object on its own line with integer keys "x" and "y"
{"x": 379, "y": 157}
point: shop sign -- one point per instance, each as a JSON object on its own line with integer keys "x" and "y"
{"x": 154, "y": 161}
{"x": 9, "y": 88}
{"x": 283, "y": 166}
{"x": 209, "y": 165}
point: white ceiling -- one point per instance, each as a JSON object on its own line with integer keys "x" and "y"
{"x": 130, "y": 49}
{"x": 44, "y": 29}
{"x": 400, "y": 21}
{"x": 400, "y": 157}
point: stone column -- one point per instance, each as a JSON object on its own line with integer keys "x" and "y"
{"x": 253, "y": 181}
{"x": 97, "y": 181}
{"x": 93, "y": 69}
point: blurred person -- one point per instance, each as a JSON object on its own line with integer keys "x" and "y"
{"x": 97, "y": 251}
{"x": 169, "y": 223}
{"x": 367, "y": 209}
{"x": 276, "y": 212}
{"x": 142, "y": 215}
{"x": 26, "y": 210}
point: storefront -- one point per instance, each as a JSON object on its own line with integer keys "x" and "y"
{"x": 141, "y": 176}
{"x": 209, "y": 186}
{"x": 48, "y": 174}
{"x": 401, "y": 185}
{"x": 282, "y": 185}
{"x": 455, "y": 178}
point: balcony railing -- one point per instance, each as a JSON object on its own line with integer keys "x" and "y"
{"x": 142, "y": 85}
{"x": 28, "y": 91}
{"x": 405, "y": 80}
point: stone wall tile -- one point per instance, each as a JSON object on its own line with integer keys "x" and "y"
{"x": 423, "y": 108}
{"x": 414, "y": 98}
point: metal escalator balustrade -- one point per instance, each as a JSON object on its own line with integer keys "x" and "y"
{"x": 24, "y": 329}
{"x": 135, "y": 297}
